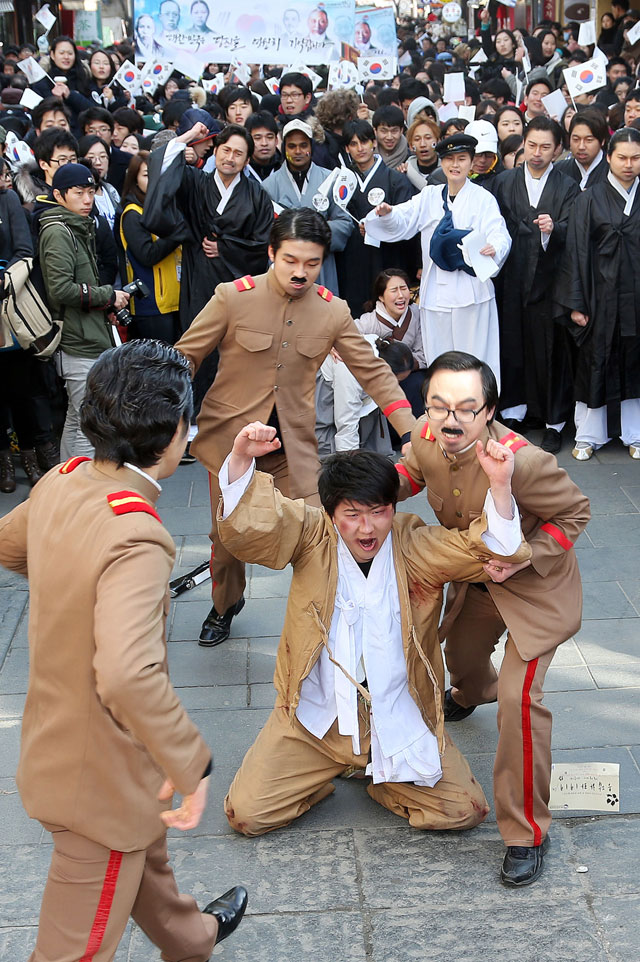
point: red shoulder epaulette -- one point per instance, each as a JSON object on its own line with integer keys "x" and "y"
{"x": 325, "y": 294}
{"x": 71, "y": 465}
{"x": 513, "y": 441}
{"x": 125, "y": 502}
{"x": 426, "y": 433}
{"x": 245, "y": 283}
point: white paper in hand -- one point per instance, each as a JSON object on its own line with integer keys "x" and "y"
{"x": 45, "y": 17}
{"x": 32, "y": 70}
{"x": 453, "y": 87}
{"x": 30, "y": 99}
{"x": 484, "y": 266}
{"x": 587, "y": 33}
{"x": 555, "y": 104}
{"x": 633, "y": 35}
{"x": 479, "y": 57}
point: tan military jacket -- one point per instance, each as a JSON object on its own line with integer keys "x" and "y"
{"x": 267, "y": 528}
{"x": 271, "y": 347}
{"x": 541, "y": 605}
{"x": 102, "y": 725}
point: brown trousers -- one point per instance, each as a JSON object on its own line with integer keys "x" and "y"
{"x": 522, "y": 769}
{"x": 287, "y": 770}
{"x": 91, "y": 891}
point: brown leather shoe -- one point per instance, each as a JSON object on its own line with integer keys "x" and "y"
{"x": 30, "y": 466}
{"x": 7, "y": 473}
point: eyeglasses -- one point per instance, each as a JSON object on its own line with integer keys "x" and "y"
{"x": 463, "y": 417}
{"x": 102, "y": 129}
{"x": 291, "y": 96}
{"x": 61, "y": 161}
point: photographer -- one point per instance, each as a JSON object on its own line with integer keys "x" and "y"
{"x": 70, "y": 270}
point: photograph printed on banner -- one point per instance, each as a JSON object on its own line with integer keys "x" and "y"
{"x": 248, "y": 31}
{"x": 375, "y": 31}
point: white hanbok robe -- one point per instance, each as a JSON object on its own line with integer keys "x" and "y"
{"x": 282, "y": 188}
{"x": 457, "y": 310}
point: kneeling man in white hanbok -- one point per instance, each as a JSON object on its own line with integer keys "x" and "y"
{"x": 359, "y": 673}
{"x": 465, "y": 242}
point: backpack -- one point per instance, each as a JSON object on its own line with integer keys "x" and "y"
{"x": 25, "y": 315}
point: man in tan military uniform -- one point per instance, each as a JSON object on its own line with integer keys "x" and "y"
{"x": 540, "y": 602}
{"x": 105, "y": 740}
{"x": 364, "y": 604}
{"x": 273, "y": 332}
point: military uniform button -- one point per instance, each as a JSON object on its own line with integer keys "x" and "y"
{"x": 458, "y": 514}
{"x": 455, "y": 467}
{"x": 275, "y": 387}
{"x": 456, "y": 492}
{"x": 279, "y": 366}
{"x": 285, "y": 344}
{"x": 289, "y": 322}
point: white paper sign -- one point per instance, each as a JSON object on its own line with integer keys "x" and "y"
{"x": 467, "y": 112}
{"x": 188, "y": 64}
{"x": 32, "y": 70}
{"x": 484, "y": 266}
{"x": 555, "y": 104}
{"x": 447, "y": 112}
{"x": 45, "y": 17}
{"x": 526, "y": 64}
{"x": 633, "y": 35}
{"x": 479, "y": 57}
{"x": 599, "y": 54}
{"x": 453, "y": 87}
{"x": 377, "y": 68}
{"x": 30, "y": 99}
{"x": 593, "y": 786}
{"x": 587, "y": 33}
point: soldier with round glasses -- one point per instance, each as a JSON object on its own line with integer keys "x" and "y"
{"x": 538, "y": 602}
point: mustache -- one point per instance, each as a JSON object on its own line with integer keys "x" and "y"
{"x": 298, "y": 280}
{"x": 454, "y": 431}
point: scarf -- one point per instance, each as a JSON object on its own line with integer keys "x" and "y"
{"x": 397, "y": 156}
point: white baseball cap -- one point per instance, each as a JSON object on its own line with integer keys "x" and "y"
{"x": 297, "y": 124}
{"x": 486, "y": 135}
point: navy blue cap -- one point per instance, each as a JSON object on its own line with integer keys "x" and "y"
{"x": 192, "y": 116}
{"x": 72, "y": 175}
{"x": 455, "y": 144}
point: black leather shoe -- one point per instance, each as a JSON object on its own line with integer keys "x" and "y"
{"x": 513, "y": 425}
{"x": 522, "y": 865}
{"x": 215, "y": 628}
{"x": 228, "y": 910}
{"x": 454, "y": 712}
{"x": 551, "y": 441}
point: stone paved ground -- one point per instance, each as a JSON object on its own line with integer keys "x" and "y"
{"x": 350, "y": 881}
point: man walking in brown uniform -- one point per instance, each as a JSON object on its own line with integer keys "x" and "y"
{"x": 273, "y": 332}
{"x": 105, "y": 740}
{"x": 539, "y": 602}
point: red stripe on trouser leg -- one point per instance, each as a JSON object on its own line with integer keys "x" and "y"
{"x": 104, "y": 907}
{"x": 213, "y": 552}
{"x": 527, "y": 751}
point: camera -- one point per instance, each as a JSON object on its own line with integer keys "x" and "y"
{"x": 136, "y": 288}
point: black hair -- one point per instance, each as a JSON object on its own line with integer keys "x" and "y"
{"x": 173, "y": 111}
{"x": 136, "y": 397}
{"x": 361, "y": 129}
{"x": 411, "y": 89}
{"x": 472, "y": 91}
{"x": 512, "y": 38}
{"x": 112, "y": 67}
{"x": 627, "y": 135}
{"x": 97, "y": 113}
{"x": 382, "y": 280}
{"x": 45, "y": 106}
{"x": 616, "y": 61}
{"x": 397, "y": 355}
{"x": 497, "y": 87}
{"x": 508, "y": 108}
{"x": 510, "y": 145}
{"x": 236, "y": 130}
{"x": 596, "y": 123}
{"x": 295, "y": 79}
{"x": 390, "y": 115}
{"x": 48, "y": 140}
{"x": 623, "y": 4}
{"x": 262, "y": 118}
{"x": 300, "y": 223}
{"x": 128, "y": 118}
{"x": 387, "y": 95}
{"x": 88, "y": 141}
{"x": 633, "y": 95}
{"x": 458, "y": 123}
{"x": 460, "y": 361}
{"x": 538, "y": 80}
{"x": 547, "y": 125}
{"x": 240, "y": 93}
{"x": 365, "y": 477}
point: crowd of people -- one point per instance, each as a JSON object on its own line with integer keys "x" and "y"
{"x": 375, "y": 292}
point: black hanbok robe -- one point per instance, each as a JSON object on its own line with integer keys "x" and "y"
{"x": 185, "y": 199}
{"x": 536, "y": 349}
{"x": 359, "y": 264}
{"x": 600, "y": 278}
{"x": 569, "y": 167}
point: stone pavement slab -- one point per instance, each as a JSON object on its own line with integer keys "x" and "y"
{"x": 349, "y": 881}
